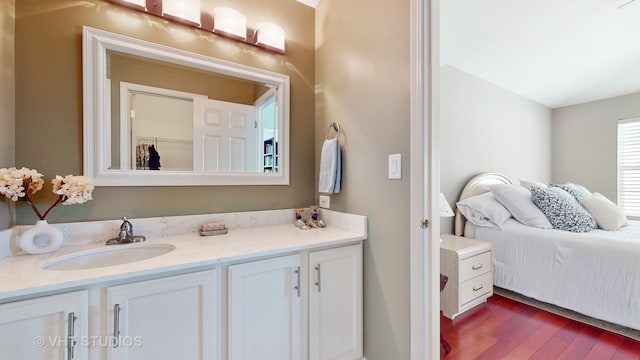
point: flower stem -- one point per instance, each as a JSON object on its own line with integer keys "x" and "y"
{"x": 60, "y": 198}
{"x": 33, "y": 206}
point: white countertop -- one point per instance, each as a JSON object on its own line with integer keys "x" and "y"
{"x": 22, "y": 275}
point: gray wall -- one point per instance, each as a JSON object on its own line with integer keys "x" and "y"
{"x": 7, "y": 97}
{"x": 486, "y": 128}
{"x": 362, "y": 82}
{"x": 49, "y": 99}
{"x": 585, "y": 142}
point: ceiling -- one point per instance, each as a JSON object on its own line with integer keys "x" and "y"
{"x": 554, "y": 52}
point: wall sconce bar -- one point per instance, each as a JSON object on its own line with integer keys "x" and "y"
{"x": 225, "y": 21}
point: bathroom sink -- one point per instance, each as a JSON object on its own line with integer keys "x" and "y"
{"x": 107, "y": 256}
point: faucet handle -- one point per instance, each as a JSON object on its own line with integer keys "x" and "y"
{"x": 126, "y": 225}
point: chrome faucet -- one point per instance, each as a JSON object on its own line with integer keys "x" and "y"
{"x": 126, "y": 234}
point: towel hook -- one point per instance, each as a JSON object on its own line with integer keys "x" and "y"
{"x": 335, "y": 126}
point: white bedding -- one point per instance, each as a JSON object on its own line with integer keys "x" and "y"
{"x": 595, "y": 273}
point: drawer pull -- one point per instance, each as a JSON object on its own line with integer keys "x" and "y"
{"x": 476, "y": 266}
{"x": 477, "y": 287}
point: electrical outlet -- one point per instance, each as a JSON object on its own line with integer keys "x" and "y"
{"x": 324, "y": 201}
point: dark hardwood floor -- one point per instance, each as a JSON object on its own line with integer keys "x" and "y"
{"x": 506, "y": 329}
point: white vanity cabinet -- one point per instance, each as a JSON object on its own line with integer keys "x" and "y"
{"x": 264, "y": 301}
{"x": 46, "y": 328}
{"x": 272, "y": 303}
{"x": 335, "y": 304}
{"x": 168, "y": 318}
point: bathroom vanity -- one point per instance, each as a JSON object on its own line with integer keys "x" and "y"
{"x": 258, "y": 292}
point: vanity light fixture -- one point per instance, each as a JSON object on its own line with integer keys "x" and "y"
{"x": 227, "y": 22}
{"x": 230, "y": 22}
{"x": 142, "y": 4}
{"x": 271, "y": 36}
{"x": 188, "y": 10}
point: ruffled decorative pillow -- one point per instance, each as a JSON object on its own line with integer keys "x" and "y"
{"x": 484, "y": 210}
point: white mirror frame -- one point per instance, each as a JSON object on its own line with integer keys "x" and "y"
{"x": 96, "y": 113}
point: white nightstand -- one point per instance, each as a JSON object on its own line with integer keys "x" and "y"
{"x": 468, "y": 264}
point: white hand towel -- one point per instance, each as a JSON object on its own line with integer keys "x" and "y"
{"x": 330, "y": 167}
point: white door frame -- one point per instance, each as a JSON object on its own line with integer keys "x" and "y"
{"x": 424, "y": 180}
{"x": 126, "y": 90}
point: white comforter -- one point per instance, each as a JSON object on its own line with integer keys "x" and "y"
{"x": 595, "y": 273}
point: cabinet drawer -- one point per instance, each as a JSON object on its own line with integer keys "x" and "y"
{"x": 475, "y": 265}
{"x": 475, "y": 287}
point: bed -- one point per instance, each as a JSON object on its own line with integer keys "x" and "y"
{"x": 596, "y": 273}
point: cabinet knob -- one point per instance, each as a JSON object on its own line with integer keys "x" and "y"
{"x": 425, "y": 223}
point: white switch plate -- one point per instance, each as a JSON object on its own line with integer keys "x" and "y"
{"x": 395, "y": 166}
{"x": 324, "y": 201}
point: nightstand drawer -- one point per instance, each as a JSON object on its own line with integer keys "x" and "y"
{"x": 475, "y": 287}
{"x": 475, "y": 265}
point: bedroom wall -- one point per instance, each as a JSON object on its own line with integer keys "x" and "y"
{"x": 584, "y": 145}
{"x": 7, "y": 97}
{"x": 362, "y": 82}
{"x": 485, "y": 128}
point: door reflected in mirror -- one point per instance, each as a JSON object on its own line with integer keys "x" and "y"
{"x": 190, "y": 121}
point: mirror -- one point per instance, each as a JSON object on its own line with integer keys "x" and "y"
{"x": 204, "y": 121}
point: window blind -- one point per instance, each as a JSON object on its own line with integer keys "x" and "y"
{"x": 629, "y": 166}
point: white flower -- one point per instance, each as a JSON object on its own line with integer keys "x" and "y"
{"x": 73, "y": 189}
{"x": 13, "y": 182}
{"x": 21, "y": 183}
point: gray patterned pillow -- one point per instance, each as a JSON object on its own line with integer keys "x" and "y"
{"x": 562, "y": 209}
{"x": 576, "y": 190}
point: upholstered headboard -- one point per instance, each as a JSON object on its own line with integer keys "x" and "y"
{"x": 477, "y": 185}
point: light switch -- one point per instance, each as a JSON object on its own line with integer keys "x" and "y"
{"x": 395, "y": 166}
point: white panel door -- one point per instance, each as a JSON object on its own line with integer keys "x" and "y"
{"x": 47, "y": 328}
{"x": 224, "y": 136}
{"x": 335, "y": 304}
{"x": 264, "y": 310}
{"x": 165, "y": 319}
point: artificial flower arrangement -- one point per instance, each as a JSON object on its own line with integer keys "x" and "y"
{"x": 23, "y": 183}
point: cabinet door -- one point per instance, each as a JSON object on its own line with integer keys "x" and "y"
{"x": 264, "y": 310}
{"x": 47, "y": 328}
{"x": 169, "y": 318}
{"x": 335, "y": 304}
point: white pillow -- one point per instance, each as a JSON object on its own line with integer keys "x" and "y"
{"x": 529, "y": 184}
{"x": 608, "y": 215}
{"x": 517, "y": 200}
{"x": 483, "y": 210}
